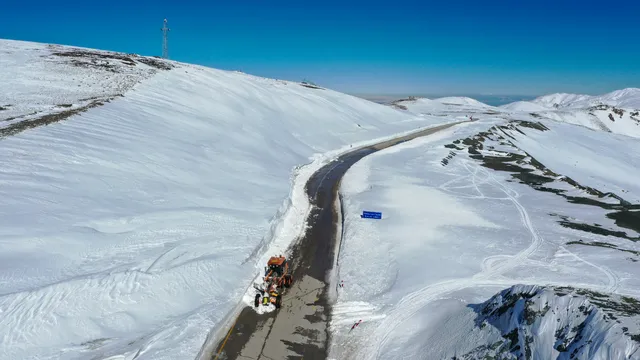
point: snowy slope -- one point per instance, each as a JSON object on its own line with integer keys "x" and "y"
{"x": 452, "y": 107}
{"x": 614, "y": 112}
{"x": 52, "y": 80}
{"x": 460, "y": 100}
{"x": 476, "y": 209}
{"x": 524, "y": 106}
{"x": 535, "y": 322}
{"x": 602, "y": 118}
{"x": 133, "y": 229}
{"x": 560, "y": 100}
{"x": 607, "y": 162}
{"x": 624, "y": 98}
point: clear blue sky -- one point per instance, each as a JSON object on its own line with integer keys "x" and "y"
{"x": 464, "y": 47}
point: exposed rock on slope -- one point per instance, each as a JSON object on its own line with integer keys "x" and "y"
{"x": 559, "y": 323}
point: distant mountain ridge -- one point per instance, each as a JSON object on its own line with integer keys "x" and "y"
{"x": 624, "y": 98}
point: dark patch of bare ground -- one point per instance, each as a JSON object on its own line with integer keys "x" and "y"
{"x": 519, "y": 163}
{"x": 21, "y": 126}
{"x": 602, "y": 244}
{"x": 614, "y": 305}
{"x": 81, "y": 58}
{"x": 87, "y": 58}
{"x": 311, "y": 86}
{"x": 396, "y": 104}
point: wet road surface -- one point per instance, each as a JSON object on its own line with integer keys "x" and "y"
{"x": 299, "y": 329}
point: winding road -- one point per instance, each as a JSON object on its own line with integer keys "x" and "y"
{"x": 299, "y": 330}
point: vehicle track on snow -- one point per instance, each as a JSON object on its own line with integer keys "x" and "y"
{"x": 412, "y": 303}
{"x": 614, "y": 280}
{"x": 493, "y": 267}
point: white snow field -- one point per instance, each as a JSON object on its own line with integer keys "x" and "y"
{"x": 453, "y": 233}
{"x": 524, "y": 106}
{"x": 132, "y": 229}
{"x": 616, "y": 112}
{"x": 444, "y": 107}
{"x": 625, "y": 98}
{"x": 35, "y": 82}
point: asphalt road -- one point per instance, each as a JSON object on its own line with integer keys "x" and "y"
{"x": 299, "y": 330}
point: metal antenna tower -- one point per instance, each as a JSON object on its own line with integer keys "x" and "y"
{"x": 165, "y": 46}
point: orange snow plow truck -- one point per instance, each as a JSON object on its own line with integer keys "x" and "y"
{"x": 276, "y": 279}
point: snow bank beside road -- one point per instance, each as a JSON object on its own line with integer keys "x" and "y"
{"x": 132, "y": 229}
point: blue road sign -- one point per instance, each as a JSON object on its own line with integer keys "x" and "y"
{"x": 371, "y": 215}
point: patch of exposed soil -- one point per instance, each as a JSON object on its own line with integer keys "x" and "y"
{"x": 396, "y": 103}
{"x": 602, "y": 244}
{"x": 44, "y": 120}
{"x": 311, "y": 86}
{"x": 153, "y": 62}
{"x": 95, "y": 59}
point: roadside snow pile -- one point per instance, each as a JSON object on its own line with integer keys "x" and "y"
{"x": 475, "y": 209}
{"x": 132, "y": 229}
{"x": 534, "y": 322}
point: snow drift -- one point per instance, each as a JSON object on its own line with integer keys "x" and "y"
{"x": 131, "y": 229}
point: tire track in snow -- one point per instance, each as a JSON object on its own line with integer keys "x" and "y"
{"x": 614, "y": 280}
{"x": 412, "y": 303}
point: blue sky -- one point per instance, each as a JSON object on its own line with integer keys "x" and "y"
{"x": 365, "y": 47}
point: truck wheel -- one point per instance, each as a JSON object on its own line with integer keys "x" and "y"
{"x": 257, "y": 300}
{"x": 278, "y": 302}
{"x": 288, "y": 279}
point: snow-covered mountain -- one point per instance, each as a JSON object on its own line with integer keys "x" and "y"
{"x": 524, "y": 106}
{"x": 625, "y": 98}
{"x": 615, "y": 112}
{"x": 454, "y": 107}
{"x": 140, "y": 197}
{"x": 460, "y": 100}
{"x": 533, "y": 322}
{"x": 132, "y": 224}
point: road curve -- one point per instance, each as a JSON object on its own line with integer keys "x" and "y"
{"x": 299, "y": 329}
